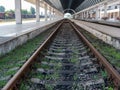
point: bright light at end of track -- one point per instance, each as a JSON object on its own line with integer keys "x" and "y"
{"x": 67, "y": 15}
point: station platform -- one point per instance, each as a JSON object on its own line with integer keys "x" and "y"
{"x": 17, "y": 29}
{"x": 12, "y": 36}
{"x": 108, "y": 30}
{"x": 8, "y": 32}
{"x": 105, "y": 22}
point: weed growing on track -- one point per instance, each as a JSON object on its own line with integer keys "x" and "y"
{"x": 108, "y": 51}
{"x": 18, "y": 56}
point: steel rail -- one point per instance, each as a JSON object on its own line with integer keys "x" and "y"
{"x": 109, "y": 68}
{"x": 14, "y": 80}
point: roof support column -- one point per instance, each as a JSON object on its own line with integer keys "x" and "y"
{"x": 79, "y": 15}
{"x": 76, "y": 16}
{"x": 53, "y": 14}
{"x": 100, "y": 12}
{"x": 18, "y": 16}
{"x": 114, "y": 15}
{"x": 119, "y": 8}
{"x": 82, "y": 15}
{"x": 91, "y": 14}
{"x": 56, "y": 14}
{"x": 37, "y": 11}
{"x": 50, "y": 16}
{"x": 87, "y": 14}
{"x": 97, "y": 13}
{"x": 105, "y": 10}
{"x": 110, "y": 15}
{"x": 45, "y": 7}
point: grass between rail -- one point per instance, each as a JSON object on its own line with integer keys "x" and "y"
{"x": 12, "y": 61}
{"x": 108, "y": 51}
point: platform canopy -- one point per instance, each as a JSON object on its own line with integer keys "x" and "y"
{"x": 65, "y": 5}
{"x": 75, "y": 5}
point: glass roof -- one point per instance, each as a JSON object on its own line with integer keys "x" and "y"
{"x": 76, "y": 5}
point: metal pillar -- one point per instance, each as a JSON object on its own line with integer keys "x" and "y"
{"x": 56, "y": 14}
{"x": 18, "y": 16}
{"x": 100, "y": 12}
{"x": 87, "y": 14}
{"x": 75, "y": 16}
{"x": 119, "y": 10}
{"x": 53, "y": 13}
{"x": 37, "y": 11}
{"x": 45, "y": 11}
{"x": 105, "y": 10}
{"x": 50, "y": 16}
{"x": 91, "y": 12}
{"x": 82, "y": 15}
{"x": 97, "y": 13}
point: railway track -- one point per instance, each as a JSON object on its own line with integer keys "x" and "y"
{"x": 65, "y": 61}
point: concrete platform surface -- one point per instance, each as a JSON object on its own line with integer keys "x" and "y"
{"x": 8, "y": 32}
{"x": 109, "y": 30}
{"x": 107, "y": 22}
{"x": 12, "y": 36}
{"x": 15, "y": 30}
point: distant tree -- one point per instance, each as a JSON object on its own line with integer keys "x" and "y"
{"x": 32, "y": 10}
{"x": 9, "y": 14}
{"x": 29, "y": 12}
{"x": 2, "y": 9}
{"x": 12, "y": 11}
{"x": 24, "y": 12}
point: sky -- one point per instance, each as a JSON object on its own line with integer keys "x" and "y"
{"x": 9, "y": 4}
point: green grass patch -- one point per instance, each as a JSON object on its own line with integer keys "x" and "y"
{"x": 108, "y": 51}
{"x": 2, "y": 83}
{"x": 19, "y": 55}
